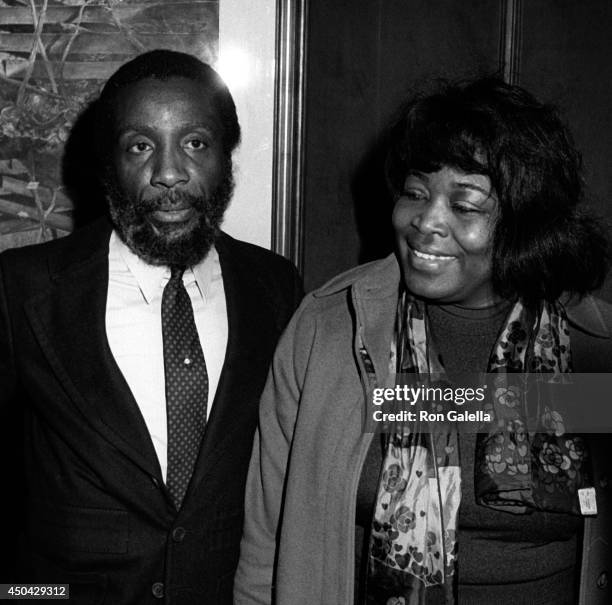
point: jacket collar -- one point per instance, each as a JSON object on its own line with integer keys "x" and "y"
{"x": 68, "y": 320}
{"x": 252, "y": 331}
{"x": 374, "y": 290}
{"x": 88, "y": 244}
{"x": 378, "y": 279}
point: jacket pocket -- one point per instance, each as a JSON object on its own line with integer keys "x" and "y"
{"x": 85, "y": 588}
{"x": 75, "y": 529}
{"x": 225, "y": 589}
{"x": 225, "y": 532}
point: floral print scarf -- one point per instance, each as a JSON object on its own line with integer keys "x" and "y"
{"x": 413, "y": 546}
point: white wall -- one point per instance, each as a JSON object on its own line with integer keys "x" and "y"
{"x": 246, "y": 62}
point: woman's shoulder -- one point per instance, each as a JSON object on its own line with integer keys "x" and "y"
{"x": 590, "y": 321}
{"x": 591, "y": 315}
{"x": 330, "y": 307}
{"x": 378, "y": 274}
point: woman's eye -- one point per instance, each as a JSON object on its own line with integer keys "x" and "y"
{"x": 197, "y": 144}
{"x": 465, "y": 209}
{"x": 140, "y": 147}
{"x": 413, "y": 194}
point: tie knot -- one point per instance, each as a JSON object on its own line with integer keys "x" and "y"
{"x": 176, "y": 273}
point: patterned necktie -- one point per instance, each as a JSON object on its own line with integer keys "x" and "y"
{"x": 186, "y": 385}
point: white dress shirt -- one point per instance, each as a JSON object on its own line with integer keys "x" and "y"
{"x": 134, "y": 331}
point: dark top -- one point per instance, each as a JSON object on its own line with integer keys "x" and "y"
{"x": 503, "y": 558}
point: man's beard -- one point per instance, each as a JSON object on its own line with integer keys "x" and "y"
{"x": 162, "y": 245}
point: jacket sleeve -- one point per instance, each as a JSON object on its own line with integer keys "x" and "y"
{"x": 10, "y": 444}
{"x": 595, "y": 587}
{"x": 279, "y": 410}
{"x": 7, "y": 369}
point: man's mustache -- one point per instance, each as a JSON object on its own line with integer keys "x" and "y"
{"x": 172, "y": 200}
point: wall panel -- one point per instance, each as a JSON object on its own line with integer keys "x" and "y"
{"x": 565, "y": 59}
{"x": 364, "y": 58}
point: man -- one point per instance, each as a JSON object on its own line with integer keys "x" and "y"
{"x": 136, "y": 350}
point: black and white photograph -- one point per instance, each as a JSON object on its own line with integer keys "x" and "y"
{"x": 306, "y": 302}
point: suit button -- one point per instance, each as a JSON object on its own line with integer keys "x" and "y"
{"x": 158, "y": 590}
{"x": 178, "y": 535}
{"x": 602, "y": 581}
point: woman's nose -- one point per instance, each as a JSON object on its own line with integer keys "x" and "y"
{"x": 432, "y": 218}
{"x": 169, "y": 169}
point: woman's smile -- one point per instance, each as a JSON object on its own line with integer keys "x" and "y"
{"x": 428, "y": 261}
{"x": 443, "y": 224}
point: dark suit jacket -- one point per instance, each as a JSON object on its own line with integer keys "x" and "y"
{"x": 86, "y": 496}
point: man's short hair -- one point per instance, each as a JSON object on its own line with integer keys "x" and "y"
{"x": 162, "y": 65}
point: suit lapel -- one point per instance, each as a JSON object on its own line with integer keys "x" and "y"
{"x": 69, "y": 322}
{"x": 251, "y": 330}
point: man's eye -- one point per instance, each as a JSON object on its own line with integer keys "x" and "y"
{"x": 140, "y": 147}
{"x": 196, "y": 144}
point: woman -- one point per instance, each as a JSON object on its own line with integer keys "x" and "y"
{"x": 494, "y": 262}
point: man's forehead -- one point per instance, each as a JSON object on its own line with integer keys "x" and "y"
{"x": 177, "y": 99}
{"x": 171, "y": 82}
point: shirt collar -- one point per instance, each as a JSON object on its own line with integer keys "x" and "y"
{"x": 151, "y": 279}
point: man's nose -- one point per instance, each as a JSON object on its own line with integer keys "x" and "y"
{"x": 169, "y": 169}
{"x": 432, "y": 217}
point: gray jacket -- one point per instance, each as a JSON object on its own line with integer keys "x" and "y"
{"x": 300, "y": 525}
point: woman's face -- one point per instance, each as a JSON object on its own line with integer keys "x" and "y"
{"x": 443, "y": 225}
